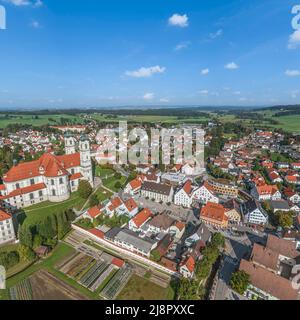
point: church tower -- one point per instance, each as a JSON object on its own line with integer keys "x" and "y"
{"x": 85, "y": 159}
{"x": 70, "y": 144}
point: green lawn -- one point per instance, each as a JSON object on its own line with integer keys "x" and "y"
{"x": 103, "y": 194}
{"x": 34, "y": 212}
{"x": 288, "y": 123}
{"x": 104, "y": 172}
{"x": 139, "y": 288}
{"x": 110, "y": 183}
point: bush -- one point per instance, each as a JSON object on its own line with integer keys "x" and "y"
{"x": 118, "y": 185}
{"x": 94, "y": 201}
{"x": 9, "y": 259}
{"x": 26, "y": 253}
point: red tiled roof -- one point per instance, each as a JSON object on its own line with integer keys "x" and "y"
{"x": 188, "y": 187}
{"x": 268, "y": 281}
{"x": 115, "y": 203}
{"x": 213, "y": 211}
{"x": 142, "y": 217}
{"x": 2, "y": 187}
{"x": 130, "y": 205}
{"x": 190, "y": 263}
{"x": 19, "y": 192}
{"x": 136, "y": 184}
{"x": 4, "y": 215}
{"x": 118, "y": 262}
{"x": 48, "y": 165}
{"x": 266, "y": 189}
{"x": 94, "y": 212}
{"x": 97, "y": 233}
{"x": 76, "y": 176}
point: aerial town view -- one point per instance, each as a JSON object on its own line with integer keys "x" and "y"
{"x": 149, "y": 150}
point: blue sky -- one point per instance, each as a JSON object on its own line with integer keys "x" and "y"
{"x": 91, "y": 53}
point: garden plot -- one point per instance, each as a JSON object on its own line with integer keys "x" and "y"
{"x": 117, "y": 283}
{"x": 21, "y": 291}
{"x": 91, "y": 276}
{"x": 89, "y": 272}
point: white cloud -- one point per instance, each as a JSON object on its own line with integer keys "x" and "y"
{"x": 204, "y": 92}
{"x": 237, "y": 93}
{"x": 294, "y": 40}
{"x": 182, "y": 45}
{"x": 164, "y": 100}
{"x": 243, "y": 99}
{"x": 148, "y": 96}
{"x": 292, "y": 73}
{"x": 294, "y": 94}
{"x": 231, "y": 66}
{"x": 18, "y": 3}
{"x": 179, "y": 20}
{"x": 204, "y": 72}
{"x": 145, "y": 72}
{"x": 216, "y": 34}
{"x": 35, "y": 24}
{"x": 38, "y": 4}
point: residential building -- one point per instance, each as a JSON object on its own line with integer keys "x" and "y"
{"x": 7, "y": 232}
{"x": 130, "y": 240}
{"x": 214, "y": 214}
{"x": 140, "y": 219}
{"x": 201, "y": 234}
{"x": 205, "y": 193}
{"x": 253, "y": 213}
{"x": 157, "y": 191}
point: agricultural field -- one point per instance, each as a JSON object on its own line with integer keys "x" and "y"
{"x": 39, "y": 120}
{"x": 42, "y": 285}
{"x": 141, "y": 288}
{"x": 147, "y": 118}
{"x": 117, "y": 283}
{"x": 90, "y": 273}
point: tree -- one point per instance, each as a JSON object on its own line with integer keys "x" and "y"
{"x": 26, "y": 253}
{"x": 155, "y": 255}
{"x": 63, "y": 225}
{"x": 46, "y": 229}
{"x": 189, "y": 290}
{"x": 218, "y": 240}
{"x": 240, "y": 281}
{"x": 84, "y": 189}
{"x": 94, "y": 201}
{"x": 9, "y": 259}
{"x": 25, "y": 235}
{"x": 284, "y": 219}
{"x": 118, "y": 185}
{"x": 37, "y": 241}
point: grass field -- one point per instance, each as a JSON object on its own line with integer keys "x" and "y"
{"x": 110, "y": 183}
{"x": 139, "y": 288}
{"x": 39, "y": 121}
{"x": 104, "y": 172}
{"x": 103, "y": 194}
{"x": 288, "y": 123}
